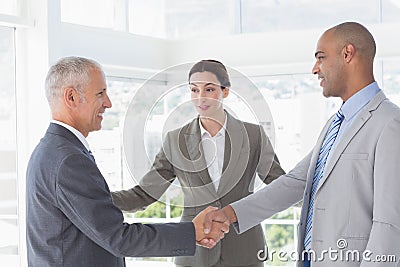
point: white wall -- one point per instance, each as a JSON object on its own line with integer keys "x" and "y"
{"x": 110, "y": 47}
{"x": 259, "y": 53}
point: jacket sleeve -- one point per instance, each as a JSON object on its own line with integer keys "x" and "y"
{"x": 268, "y": 168}
{"x": 279, "y": 195}
{"x": 83, "y": 196}
{"x": 385, "y": 232}
{"x": 152, "y": 185}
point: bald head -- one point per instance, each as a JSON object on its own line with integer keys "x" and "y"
{"x": 357, "y": 35}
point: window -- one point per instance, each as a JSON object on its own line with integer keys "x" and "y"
{"x": 107, "y": 143}
{"x": 8, "y": 174}
{"x": 391, "y": 80}
{"x": 281, "y": 235}
{"x": 97, "y": 13}
{"x": 9, "y": 7}
{"x": 147, "y": 17}
{"x": 390, "y": 11}
{"x": 299, "y": 111}
{"x": 181, "y": 19}
{"x": 272, "y": 15}
{"x": 215, "y": 18}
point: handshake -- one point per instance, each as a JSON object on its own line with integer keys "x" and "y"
{"x": 212, "y": 224}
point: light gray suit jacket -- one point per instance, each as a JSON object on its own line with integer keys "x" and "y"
{"x": 358, "y": 196}
{"x": 247, "y": 152}
{"x": 71, "y": 220}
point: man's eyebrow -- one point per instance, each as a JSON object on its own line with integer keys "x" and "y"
{"x": 316, "y": 53}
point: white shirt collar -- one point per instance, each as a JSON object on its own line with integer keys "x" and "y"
{"x": 221, "y": 131}
{"x": 77, "y": 133}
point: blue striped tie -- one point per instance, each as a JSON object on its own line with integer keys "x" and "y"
{"x": 319, "y": 172}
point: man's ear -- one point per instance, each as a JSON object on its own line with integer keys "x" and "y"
{"x": 348, "y": 52}
{"x": 70, "y": 97}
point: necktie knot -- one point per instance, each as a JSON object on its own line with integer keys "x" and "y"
{"x": 339, "y": 115}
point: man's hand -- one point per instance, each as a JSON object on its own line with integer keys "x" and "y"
{"x": 215, "y": 233}
{"x": 225, "y": 215}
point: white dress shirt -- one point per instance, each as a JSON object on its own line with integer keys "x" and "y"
{"x": 77, "y": 133}
{"x": 213, "y": 147}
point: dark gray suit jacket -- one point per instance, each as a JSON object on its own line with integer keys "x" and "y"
{"x": 247, "y": 151}
{"x": 71, "y": 219}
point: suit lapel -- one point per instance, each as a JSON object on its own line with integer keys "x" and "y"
{"x": 62, "y": 131}
{"x": 57, "y": 129}
{"x": 227, "y": 151}
{"x": 358, "y": 123}
{"x": 196, "y": 153}
{"x": 235, "y": 156}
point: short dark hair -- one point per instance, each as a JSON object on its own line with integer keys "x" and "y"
{"x": 215, "y": 67}
{"x": 356, "y": 34}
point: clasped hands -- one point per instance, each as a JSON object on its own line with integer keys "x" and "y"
{"x": 211, "y": 225}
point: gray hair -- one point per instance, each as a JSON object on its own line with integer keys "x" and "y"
{"x": 68, "y": 72}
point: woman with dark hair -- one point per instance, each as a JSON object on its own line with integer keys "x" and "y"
{"x": 216, "y": 158}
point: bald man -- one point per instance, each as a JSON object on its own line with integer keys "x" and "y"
{"x": 350, "y": 181}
